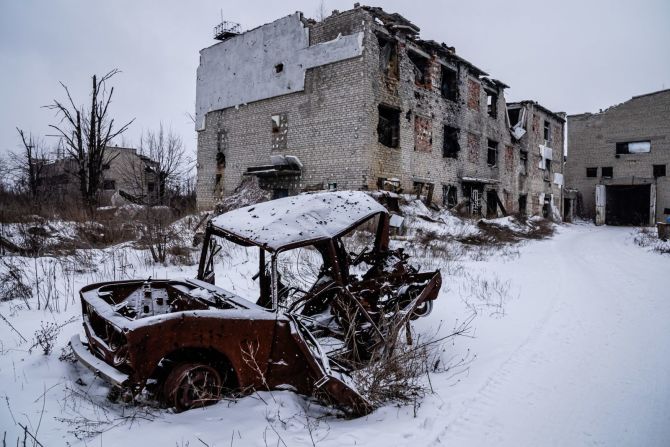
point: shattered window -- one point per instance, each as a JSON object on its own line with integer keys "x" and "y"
{"x": 279, "y": 131}
{"x": 449, "y": 85}
{"x": 492, "y": 153}
{"x": 424, "y": 191}
{"x": 492, "y": 104}
{"x": 450, "y": 146}
{"x": 633, "y": 147}
{"x": 420, "y": 64}
{"x": 449, "y": 196}
{"x": 423, "y": 134}
{"x": 592, "y": 172}
{"x": 388, "y": 57}
{"x": 606, "y": 172}
{"x": 359, "y": 241}
{"x": 388, "y": 127}
{"x": 298, "y": 270}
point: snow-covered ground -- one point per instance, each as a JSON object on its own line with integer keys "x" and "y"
{"x": 570, "y": 347}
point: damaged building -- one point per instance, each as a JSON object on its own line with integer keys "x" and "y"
{"x": 359, "y": 101}
{"x": 618, "y": 160}
{"x": 539, "y": 135}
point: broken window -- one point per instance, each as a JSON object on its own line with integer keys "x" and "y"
{"x": 109, "y": 184}
{"x": 420, "y": 64}
{"x": 279, "y": 131}
{"x": 388, "y": 56}
{"x": 547, "y": 170}
{"x": 221, "y": 146}
{"x": 424, "y": 191}
{"x": 659, "y": 171}
{"x": 388, "y": 127}
{"x": 606, "y": 172}
{"x": 592, "y": 172}
{"x": 450, "y": 146}
{"x": 523, "y": 203}
{"x": 473, "y": 94}
{"x": 514, "y": 115}
{"x": 449, "y": 85}
{"x": 523, "y": 162}
{"x": 492, "y": 153}
{"x": 547, "y": 131}
{"x": 492, "y": 104}
{"x": 449, "y": 196}
{"x": 633, "y": 147}
{"x": 423, "y": 134}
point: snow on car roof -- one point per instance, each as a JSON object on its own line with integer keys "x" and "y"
{"x": 298, "y": 219}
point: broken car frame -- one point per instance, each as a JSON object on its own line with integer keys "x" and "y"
{"x": 189, "y": 342}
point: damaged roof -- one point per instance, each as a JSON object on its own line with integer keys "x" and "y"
{"x": 298, "y": 220}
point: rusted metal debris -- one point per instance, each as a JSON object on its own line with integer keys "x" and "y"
{"x": 190, "y": 342}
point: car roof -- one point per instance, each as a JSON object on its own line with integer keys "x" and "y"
{"x": 298, "y": 220}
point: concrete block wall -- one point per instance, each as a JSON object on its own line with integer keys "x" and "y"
{"x": 592, "y": 142}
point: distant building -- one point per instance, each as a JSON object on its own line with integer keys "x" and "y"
{"x": 125, "y": 170}
{"x": 618, "y": 161}
{"x": 359, "y": 101}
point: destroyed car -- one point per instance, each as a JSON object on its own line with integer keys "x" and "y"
{"x": 190, "y": 342}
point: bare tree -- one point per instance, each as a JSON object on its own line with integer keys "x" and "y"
{"x": 166, "y": 150}
{"x": 87, "y": 133}
{"x": 28, "y": 164}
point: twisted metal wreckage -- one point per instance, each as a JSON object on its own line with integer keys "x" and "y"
{"x": 189, "y": 342}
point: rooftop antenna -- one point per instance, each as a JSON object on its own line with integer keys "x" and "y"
{"x": 226, "y": 30}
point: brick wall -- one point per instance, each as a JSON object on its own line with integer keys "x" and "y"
{"x": 592, "y": 142}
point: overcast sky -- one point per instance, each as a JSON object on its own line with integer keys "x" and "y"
{"x": 570, "y": 55}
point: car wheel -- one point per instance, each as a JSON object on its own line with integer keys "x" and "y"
{"x": 192, "y": 385}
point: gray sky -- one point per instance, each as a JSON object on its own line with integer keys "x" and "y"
{"x": 571, "y": 55}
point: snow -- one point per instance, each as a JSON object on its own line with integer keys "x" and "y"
{"x": 298, "y": 219}
{"x": 580, "y": 357}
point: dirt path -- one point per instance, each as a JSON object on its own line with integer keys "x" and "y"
{"x": 594, "y": 367}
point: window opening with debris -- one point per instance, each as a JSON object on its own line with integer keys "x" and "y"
{"x": 592, "y": 172}
{"x": 633, "y": 147}
{"x": 492, "y": 104}
{"x": 388, "y": 56}
{"x": 514, "y": 115}
{"x": 523, "y": 162}
{"x": 606, "y": 172}
{"x": 547, "y": 131}
{"x": 523, "y": 204}
{"x": 279, "y": 131}
{"x": 221, "y": 147}
{"x": 388, "y": 127}
{"x": 420, "y": 65}
{"x": 424, "y": 191}
{"x": 659, "y": 171}
{"x": 449, "y": 85}
{"x": 450, "y": 146}
{"x": 423, "y": 133}
{"x": 492, "y": 153}
{"x": 449, "y": 196}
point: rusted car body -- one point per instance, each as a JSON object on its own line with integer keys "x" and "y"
{"x": 191, "y": 342}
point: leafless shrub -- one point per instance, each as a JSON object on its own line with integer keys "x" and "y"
{"x": 400, "y": 370}
{"x": 47, "y": 335}
{"x": 480, "y": 292}
{"x": 14, "y": 283}
{"x": 647, "y": 237}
